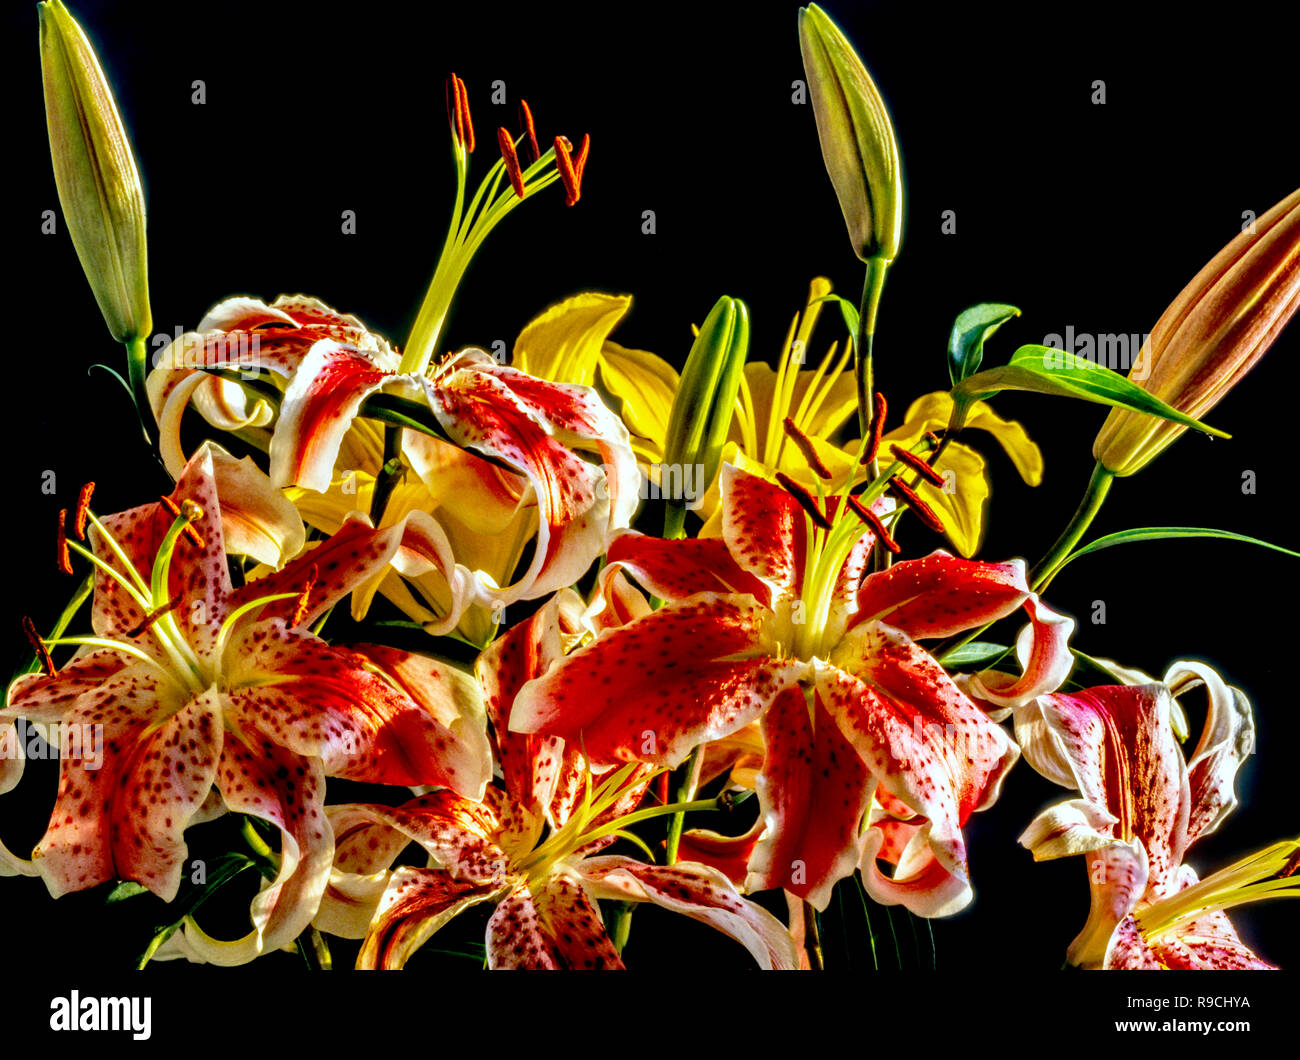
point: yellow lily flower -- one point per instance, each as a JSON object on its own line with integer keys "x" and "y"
{"x": 569, "y": 343}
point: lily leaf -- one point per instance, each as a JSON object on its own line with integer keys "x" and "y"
{"x": 1047, "y": 370}
{"x": 970, "y": 331}
{"x": 1166, "y": 533}
{"x": 848, "y": 311}
{"x": 977, "y": 651}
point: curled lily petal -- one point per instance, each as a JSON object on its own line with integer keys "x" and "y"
{"x": 699, "y": 892}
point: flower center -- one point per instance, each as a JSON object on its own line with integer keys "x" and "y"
{"x": 584, "y": 825}
{"x": 1271, "y": 873}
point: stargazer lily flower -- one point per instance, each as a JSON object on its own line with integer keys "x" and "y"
{"x": 1141, "y": 805}
{"x": 197, "y": 686}
{"x": 545, "y": 886}
{"x": 528, "y": 483}
{"x": 776, "y": 621}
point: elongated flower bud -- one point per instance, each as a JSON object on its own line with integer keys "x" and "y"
{"x": 1211, "y": 335}
{"x": 857, "y": 137}
{"x": 95, "y": 171}
{"x": 706, "y": 397}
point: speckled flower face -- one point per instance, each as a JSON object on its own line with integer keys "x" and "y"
{"x": 208, "y": 695}
{"x": 545, "y": 885}
{"x": 776, "y": 621}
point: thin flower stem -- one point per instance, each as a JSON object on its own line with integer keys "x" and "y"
{"x": 864, "y": 343}
{"x": 1045, "y": 569}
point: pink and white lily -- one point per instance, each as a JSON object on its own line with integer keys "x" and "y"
{"x": 201, "y": 689}
{"x": 330, "y": 363}
{"x": 1140, "y": 806}
{"x": 776, "y": 622}
{"x": 544, "y": 884}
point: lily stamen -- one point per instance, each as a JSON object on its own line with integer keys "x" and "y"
{"x": 877, "y": 429}
{"x": 917, "y": 464}
{"x": 190, "y": 532}
{"x": 530, "y": 131}
{"x": 570, "y": 170}
{"x": 83, "y": 510}
{"x": 154, "y": 615}
{"x": 923, "y": 511}
{"x": 64, "y": 560}
{"x": 300, "y": 611}
{"x": 806, "y": 500}
{"x": 806, "y": 448}
{"x": 873, "y": 520}
{"x": 38, "y": 645}
{"x": 458, "y": 116}
{"x": 507, "y": 145}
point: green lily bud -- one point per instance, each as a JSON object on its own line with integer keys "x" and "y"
{"x": 95, "y": 171}
{"x": 857, "y": 137}
{"x": 710, "y": 382}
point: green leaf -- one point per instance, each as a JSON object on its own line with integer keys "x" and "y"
{"x": 848, "y": 311}
{"x": 124, "y": 890}
{"x": 116, "y": 375}
{"x": 970, "y": 331}
{"x": 1168, "y": 533}
{"x": 977, "y": 651}
{"x": 1047, "y": 370}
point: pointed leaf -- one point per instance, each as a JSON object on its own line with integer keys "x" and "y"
{"x": 970, "y": 330}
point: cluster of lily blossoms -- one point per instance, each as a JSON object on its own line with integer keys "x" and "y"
{"x": 791, "y": 651}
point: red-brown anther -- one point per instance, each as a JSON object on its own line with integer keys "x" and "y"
{"x": 154, "y": 615}
{"x": 916, "y": 464}
{"x": 923, "y": 511}
{"x": 64, "y": 558}
{"x": 301, "y": 608}
{"x": 526, "y": 118}
{"x": 83, "y": 510}
{"x": 462, "y": 126}
{"x": 806, "y": 448}
{"x": 873, "y": 520}
{"x": 877, "y": 429}
{"x": 580, "y": 163}
{"x": 1292, "y": 864}
{"x": 507, "y": 144}
{"x": 564, "y": 163}
{"x": 452, "y": 93}
{"x": 806, "y": 500}
{"x": 38, "y": 646}
{"x": 195, "y": 537}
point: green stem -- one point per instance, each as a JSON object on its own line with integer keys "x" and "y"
{"x": 622, "y": 928}
{"x": 136, "y": 370}
{"x": 864, "y": 341}
{"x": 814, "y": 938}
{"x": 684, "y": 793}
{"x": 674, "y": 521}
{"x": 388, "y": 473}
{"x": 1041, "y": 573}
{"x": 1093, "y": 498}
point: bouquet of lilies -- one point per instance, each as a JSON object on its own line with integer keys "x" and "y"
{"x": 771, "y": 695}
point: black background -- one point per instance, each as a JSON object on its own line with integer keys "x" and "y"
{"x": 1087, "y": 215}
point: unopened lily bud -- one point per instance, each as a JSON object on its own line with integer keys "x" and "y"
{"x": 1210, "y": 336}
{"x": 95, "y": 171}
{"x": 857, "y": 137}
{"x": 706, "y": 397}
